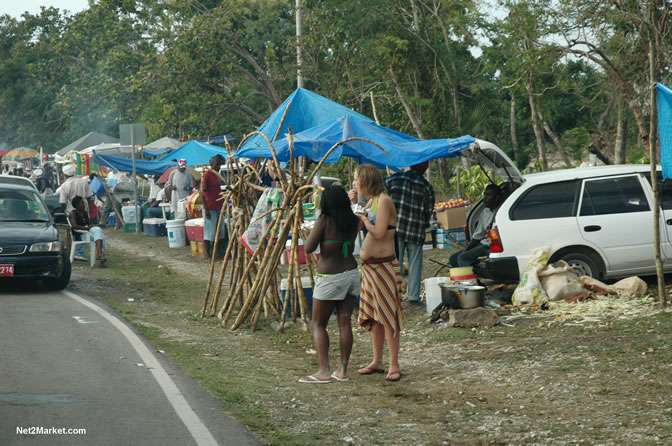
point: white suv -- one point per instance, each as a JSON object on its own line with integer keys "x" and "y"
{"x": 598, "y": 219}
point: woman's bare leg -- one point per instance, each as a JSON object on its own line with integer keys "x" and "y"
{"x": 344, "y": 309}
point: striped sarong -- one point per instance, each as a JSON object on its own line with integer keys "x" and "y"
{"x": 380, "y": 296}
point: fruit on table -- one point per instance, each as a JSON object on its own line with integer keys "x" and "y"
{"x": 454, "y": 203}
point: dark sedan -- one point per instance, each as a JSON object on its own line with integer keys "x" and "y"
{"x": 30, "y": 244}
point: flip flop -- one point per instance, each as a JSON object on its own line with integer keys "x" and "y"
{"x": 312, "y": 380}
{"x": 342, "y": 380}
{"x": 390, "y": 375}
{"x": 369, "y": 370}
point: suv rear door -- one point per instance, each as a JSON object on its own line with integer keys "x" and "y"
{"x": 615, "y": 214}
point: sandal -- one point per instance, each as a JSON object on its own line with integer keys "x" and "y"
{"x": 394, "y": 376}
{"x": 370, "y": 369}
{"x": 103, "y": 262}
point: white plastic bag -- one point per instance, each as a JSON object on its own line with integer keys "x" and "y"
{"x": 529, "y": 289}
{"x": 560, "y": 281}
{"x": 181, "y": 209}
{"x": 251, "y": 238}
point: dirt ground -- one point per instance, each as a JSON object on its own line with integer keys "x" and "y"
{"x": 596, "y": 373}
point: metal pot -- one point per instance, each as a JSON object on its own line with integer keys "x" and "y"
{"x": 461, "y": 296}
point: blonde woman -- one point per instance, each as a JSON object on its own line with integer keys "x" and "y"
{"x": 380, "y": 302}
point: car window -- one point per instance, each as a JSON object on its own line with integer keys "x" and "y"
{"x": 620, "y": 195}
{"x": 21, "y": 206}
{"x": 665, "y": 189}
{"x": 550, "y": 200}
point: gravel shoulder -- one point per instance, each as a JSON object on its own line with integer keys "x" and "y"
{"x": 593, "y": 373}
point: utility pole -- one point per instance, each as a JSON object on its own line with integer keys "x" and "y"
{"x": 299, "y": 57}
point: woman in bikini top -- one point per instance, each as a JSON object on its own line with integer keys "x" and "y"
{"x": 380, "y": 221}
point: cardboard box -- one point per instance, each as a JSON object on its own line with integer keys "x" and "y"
{"x": 452, "y": 218}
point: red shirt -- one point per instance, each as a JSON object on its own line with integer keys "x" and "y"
{"x": 211, "y": 191}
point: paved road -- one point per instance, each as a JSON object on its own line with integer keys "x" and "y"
{"x": 68, "y": 362}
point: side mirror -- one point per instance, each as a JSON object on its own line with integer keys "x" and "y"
{"x": 60, "y": 218}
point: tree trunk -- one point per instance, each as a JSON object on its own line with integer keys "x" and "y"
{"x": 512, "y": 126}
{"x": 556, "y": 142}
{"x": 538, "y": 132}
{"x": 416, "y": 121}
{"x": 444, "y": 171}
{"x": 621, "y": 134}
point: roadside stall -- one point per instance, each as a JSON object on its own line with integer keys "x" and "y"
{"x": 360, "y": 139}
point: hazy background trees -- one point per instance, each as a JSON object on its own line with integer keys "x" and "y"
{"x": 549, "y": 81}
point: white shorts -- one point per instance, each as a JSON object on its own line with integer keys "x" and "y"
{"x": 337, "y": 286}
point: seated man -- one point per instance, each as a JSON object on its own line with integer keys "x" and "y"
{"x": 479, "y": 245}
{"x": 79, "y": 219}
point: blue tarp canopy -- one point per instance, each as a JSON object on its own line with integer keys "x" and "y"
{"x": 196, "y": 153}
{"x": 404, "y": 150}
{"x": 664, "y": 99}
{"x": 155, "y": 152}
{"x": 308, "y": 110}
{"x": 145, "y": 167}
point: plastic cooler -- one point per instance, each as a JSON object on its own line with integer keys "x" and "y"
{"x": 307, "y": 290}
{"x": 154, "y": 227}
{"x": 130, "y": 227}
{"x": 194, "y": 229}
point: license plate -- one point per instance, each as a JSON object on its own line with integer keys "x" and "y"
{"x": 6, "y": 270}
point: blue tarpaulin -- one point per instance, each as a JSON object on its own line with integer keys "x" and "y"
{"x": 145, "y": 167}
{"x": 151, "y": 153}
{"x": 404, "y": 150}
{"x": 306, "y": 111}
{"x": 196, "y": 153}
{"x": 664, "y": 99}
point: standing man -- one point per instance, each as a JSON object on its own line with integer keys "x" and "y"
{"x": 180, "y": 184}
{"x": 210, "y": 192}
{"x": 413, "y": 198}
{"x": 73, "y": 187}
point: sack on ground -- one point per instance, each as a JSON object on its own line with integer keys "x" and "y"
{"x": 529, "y": 289}
{"x": 560, "y": 281}
{"x": 631, "y": 286}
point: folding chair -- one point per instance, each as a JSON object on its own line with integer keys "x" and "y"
{"x": 85, "y": 237}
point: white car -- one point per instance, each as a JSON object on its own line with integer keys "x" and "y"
{"x": 598, "y": 219}
{"x": 13, "y": 179}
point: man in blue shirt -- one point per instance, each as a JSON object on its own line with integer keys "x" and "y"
{"x": 413, "y": 198}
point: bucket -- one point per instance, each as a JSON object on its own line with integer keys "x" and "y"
{"x": 176, "y": 235}
{"x": 462, "y": 273}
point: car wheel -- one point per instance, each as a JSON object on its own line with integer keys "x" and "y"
{"x": 582, "y": 264}
{"x": 61, "y": 282}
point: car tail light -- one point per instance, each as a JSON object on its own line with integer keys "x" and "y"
{"x": 495, "y": 240}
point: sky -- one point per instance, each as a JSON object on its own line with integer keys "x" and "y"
{"x": 16, "y": 8}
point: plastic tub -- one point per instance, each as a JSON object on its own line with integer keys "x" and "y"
{"x": 176, "y": 235}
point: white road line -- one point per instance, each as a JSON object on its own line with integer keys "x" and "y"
{"x": 198, "y": 430}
